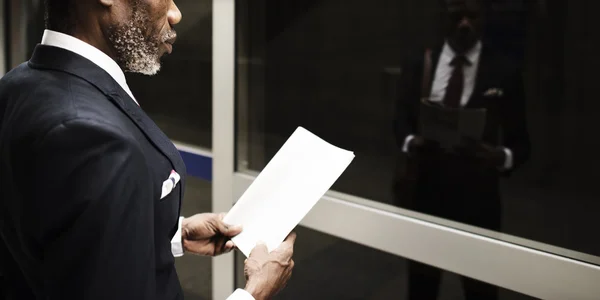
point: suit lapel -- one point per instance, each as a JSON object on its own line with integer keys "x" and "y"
{"x": 435, "y": 58}
{"x": 149, "y": 128}
{"x": 47, "y": 57}
{"x": 154, "y": 134}
{"x": 434, "y": 64}
{"x": 484, "y": 71}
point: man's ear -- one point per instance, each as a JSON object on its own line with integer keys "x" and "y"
{"x": 107, "y": 3}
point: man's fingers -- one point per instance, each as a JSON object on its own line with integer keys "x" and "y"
{"x": 198, "y": 247}
{"x": 221, "y": 216}
{"x": 229, "y": 246}
{"x": 259, "y": 249}
{"x": 221, "y": 244}
{"x": 286, "y": 249}
{"x": 291, "y": 238}
{"x": 226, "y": 229}
{"x": 232, "y": 230}
{"x": 288, "y": 244}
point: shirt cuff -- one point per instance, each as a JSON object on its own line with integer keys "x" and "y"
{"x": 407, "y": 140}
{"x": 176, "y": 242}
{"x": 240, "y": 294}
{"x": 508, "y": 162}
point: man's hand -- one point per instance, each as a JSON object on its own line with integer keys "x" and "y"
{"x": 268, "y": 273}
{"x": 419, "y": 146}
{"x": 490, "y": 156}
{"x": 206, "y": 234}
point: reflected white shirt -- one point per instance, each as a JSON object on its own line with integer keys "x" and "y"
{"x": 444, "y": 72}
{"x": 93, "y": 54}
{"x": 440, "y": 82}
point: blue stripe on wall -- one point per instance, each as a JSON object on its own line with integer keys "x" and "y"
{"x": 197, "y": 165}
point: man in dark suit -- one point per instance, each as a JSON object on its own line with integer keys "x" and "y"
{"x": 460, "y": 183}
{"x": 90, "y": 188}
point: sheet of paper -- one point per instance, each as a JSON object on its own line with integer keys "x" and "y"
{"x": 449, "y": 126}
{"x": 286, "y": 190}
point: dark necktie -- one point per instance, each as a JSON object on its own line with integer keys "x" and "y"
{"x": 454, "y": 90}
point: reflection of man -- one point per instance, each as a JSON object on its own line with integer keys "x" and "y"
{"x": 91, "y": 189}
{"x": 461, "y": 184}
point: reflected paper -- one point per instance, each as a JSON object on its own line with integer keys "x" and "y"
{"x": 301, "y": 172}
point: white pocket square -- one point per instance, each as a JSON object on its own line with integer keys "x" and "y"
{"x": 170, "y": 184}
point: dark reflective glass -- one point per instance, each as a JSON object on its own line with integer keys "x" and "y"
{"x": 506, "y": 145}
{"x": 179, "y": 97}
{"x": 25, "y": 20}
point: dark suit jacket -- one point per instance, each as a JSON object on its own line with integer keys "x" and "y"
{"x": 81, "y": 174}
{"x": 443, "y": 182}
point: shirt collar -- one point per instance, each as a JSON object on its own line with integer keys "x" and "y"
{"x": 472, "y": 55}
{"x": 93, "y": 54}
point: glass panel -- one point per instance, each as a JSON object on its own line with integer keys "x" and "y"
{"x": 195, "y": 271}
{"x": 26, "y": 26}
{"x": 179, "y": 97}
{"x": 352, "y": 72}
{"x": 331, "y": 268}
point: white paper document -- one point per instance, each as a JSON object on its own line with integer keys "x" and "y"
{"x": 301, "y": 172}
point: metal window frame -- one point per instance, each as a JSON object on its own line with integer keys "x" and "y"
{"x": 3, "y": 29}
{"x": 223, "y": 133}
{"x": 524, "y": 270}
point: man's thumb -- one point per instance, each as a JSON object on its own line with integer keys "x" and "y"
{"x": 260, "y": 247}
{"x": 228, "y": 230}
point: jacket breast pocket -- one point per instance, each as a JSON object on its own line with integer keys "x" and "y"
{"x": 170, "y": 186}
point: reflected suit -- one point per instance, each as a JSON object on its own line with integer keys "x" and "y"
{"x": 458, "y": 187}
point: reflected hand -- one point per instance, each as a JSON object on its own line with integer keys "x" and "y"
{"x": 268, "y": 273}
{"x": 206, "y": 234}
{"x": 419, "y": 145}
{"x": 485, "y": 154}
{"x": 491, "y": 156}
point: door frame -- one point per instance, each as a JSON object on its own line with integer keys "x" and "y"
{"x": 223, "y": 133}
{"x": 3, "y": 42}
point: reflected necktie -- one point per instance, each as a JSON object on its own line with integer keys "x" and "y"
{"x": 454, "y": 90}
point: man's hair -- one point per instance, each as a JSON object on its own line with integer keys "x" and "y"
{"x": 59, "y": 15}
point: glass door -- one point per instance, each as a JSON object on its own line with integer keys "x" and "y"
{"x": 337, "y": 68}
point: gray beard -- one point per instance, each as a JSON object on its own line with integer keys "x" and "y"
{"x": 135, "y": 52}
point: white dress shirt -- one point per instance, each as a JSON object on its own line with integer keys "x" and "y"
{"x": 93, "y": 54}
{"x": 67, "y": 42}
{"x": 443, "y": 73}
